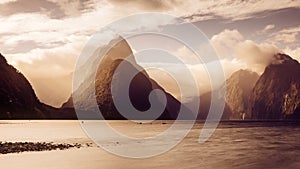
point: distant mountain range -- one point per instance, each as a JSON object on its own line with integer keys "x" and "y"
{"x": 273, "y": 95}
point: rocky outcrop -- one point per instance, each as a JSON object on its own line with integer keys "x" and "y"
{"x": 238, "y": 90}
{"x": 276, "y": 93}
{"x": 19, "y": 147}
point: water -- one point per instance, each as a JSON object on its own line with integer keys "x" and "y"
{"x": 233, "y": 145}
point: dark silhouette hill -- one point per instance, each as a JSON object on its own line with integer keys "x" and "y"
{"x": 18, "y": 99}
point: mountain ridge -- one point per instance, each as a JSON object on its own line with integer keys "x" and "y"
{"x": 276, "y": 93}
{"x": 238, "y": 90}
{"x": 139, "y": 89}
{"x": 18, "y": 99}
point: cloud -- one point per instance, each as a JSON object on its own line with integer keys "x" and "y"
{"x": 43, "y": 38}
{"x": 6, "y": 1}
{"x": 199, "y": 10}
{"x": 150, "y": 4}
{"x": 287, "y": 35}
{"x": 199, "y": 72}
{"x": 186, "y": 55}
{"x": 294, "y": 53}
{"x": 225, "y": 41}
{"x": 41, "y": 6}
{"x": 204, "y": 10}
{"x": 230, "y": 44}
{"x": 268, "y": 27}
{"x": 257, "y": 56}
{"x": 74, "y": 8}
{"x": 55, "y": 9}
{"x": 235, "y": 52}
{"x": 170, "y": 84}
{"x": 49, "y": 70}
{"x": 238, "y": 10}
{"x": 45, "y": 47}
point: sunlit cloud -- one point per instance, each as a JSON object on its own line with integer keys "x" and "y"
{"x": 44, "y": 38}
{"x": 295, "y": 53}
{"x": 287, "y": 35}
{"x": 237, "y": 10}
{"x": 225, "y": 41}
{"x": 269, "y": 27}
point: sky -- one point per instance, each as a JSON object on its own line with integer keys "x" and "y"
{"x": 43, "y": 38}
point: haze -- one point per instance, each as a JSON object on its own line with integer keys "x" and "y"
{"x": 44, "y": 38}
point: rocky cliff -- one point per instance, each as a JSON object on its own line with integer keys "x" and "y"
{"x": 238, "y": 89}
{"x": 276, "y": 93}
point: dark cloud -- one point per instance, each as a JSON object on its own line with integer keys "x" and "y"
{"x": 54, "y": 9}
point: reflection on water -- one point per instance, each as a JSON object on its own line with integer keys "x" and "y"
{"x": 233, "y": 145}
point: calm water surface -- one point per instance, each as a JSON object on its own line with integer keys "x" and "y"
{"x": 233, "y": 145}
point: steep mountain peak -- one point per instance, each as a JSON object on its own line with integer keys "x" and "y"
{"x": 2, "y": 59}
{"x": 281, "y": 58}
{"x": 115, "y": 53}
{"x": 276, "y": 93}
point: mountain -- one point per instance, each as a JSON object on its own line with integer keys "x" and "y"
{"x": 205, "y": 105}
{"x": 68, "y": 104}
{"x": 238, "y": 89}
{"x": 276, "y": 95}
{"x": 18, "y": 99}
{"x": 107, "y": 72}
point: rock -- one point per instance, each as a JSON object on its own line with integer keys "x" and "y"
{"x": 238, "y": 89}
{"x": 276, "y": 93}
{"x": 18, "y": 147}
